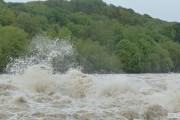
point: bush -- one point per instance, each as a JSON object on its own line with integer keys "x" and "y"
{"x": 13, "y": 44}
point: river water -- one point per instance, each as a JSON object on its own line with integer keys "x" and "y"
{"x": 32, "y": 90}
{"x": 39, "y": 95}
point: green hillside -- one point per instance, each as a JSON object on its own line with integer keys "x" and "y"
{"x": 106, "y": 38}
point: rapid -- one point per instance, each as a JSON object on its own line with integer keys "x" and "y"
{"x": 33, "y": 91}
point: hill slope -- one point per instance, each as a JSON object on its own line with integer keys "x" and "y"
{"x": 106, "y": 38}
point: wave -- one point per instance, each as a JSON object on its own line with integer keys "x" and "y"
{"x": 35, "y": 91}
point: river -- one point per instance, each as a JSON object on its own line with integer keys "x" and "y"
{"x": 39, "y": 95}
{"x": 32, "y": 91}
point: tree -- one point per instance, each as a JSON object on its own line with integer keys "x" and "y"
{"x": 53, "y": 31}
{"x": 106, "y": 37}
{"x": 3, "y": 60}
{"x": 64, "y": 33}
{"x": 130, "y": 56}
{"x": 101, "y": 32}
{"x": 174, "y": 50}
{"x": 134, "y": 33}
{"x": 57, "y": 3}
{"x": 153, "y": 63}
{"x": 145, "y": 48}
{"x": 34, "y": 8}
{"x": 94, "y": 57}
{"x": 177, "y": 32}
{"x": 13, "y": 44}
{"x": 162, "y": 59}
{"x": 6, "y": 17}
{"x": 30, "y": 23}
{"x": 58, "y": 16}
{"x": 87, "y": 6}
{"x": 117, "y": 30}
{"x": 80, "y": 18}
{"x": 76, "y": 30}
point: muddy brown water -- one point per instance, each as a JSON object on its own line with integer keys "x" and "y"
{"x": 39, "y": 95}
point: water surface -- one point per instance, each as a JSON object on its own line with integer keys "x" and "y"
{"x": 39, "y": 95}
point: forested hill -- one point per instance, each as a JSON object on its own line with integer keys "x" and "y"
{"x": 106, "y": 38}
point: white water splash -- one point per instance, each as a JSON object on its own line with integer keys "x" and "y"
{"x": 40, "y": 94}
{"x": 57, "y": 55}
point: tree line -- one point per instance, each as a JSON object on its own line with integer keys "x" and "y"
{"x": 106, "y": 38}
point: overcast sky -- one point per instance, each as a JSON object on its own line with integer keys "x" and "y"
{"x": 163, "y": 9}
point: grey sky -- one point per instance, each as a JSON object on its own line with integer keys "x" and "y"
{"x": 163, "y": 9}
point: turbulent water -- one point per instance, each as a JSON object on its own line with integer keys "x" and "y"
{"x": 38, "y": 95}
{"x": 35, "y": 92}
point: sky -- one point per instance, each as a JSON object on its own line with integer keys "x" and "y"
{"x": 167, "y": 10}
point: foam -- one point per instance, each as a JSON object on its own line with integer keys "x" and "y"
{"x": 36, "y": 90}
{"x": 76, "y": 95}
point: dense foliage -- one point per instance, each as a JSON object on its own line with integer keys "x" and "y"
{"x": 106, "y": 38}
